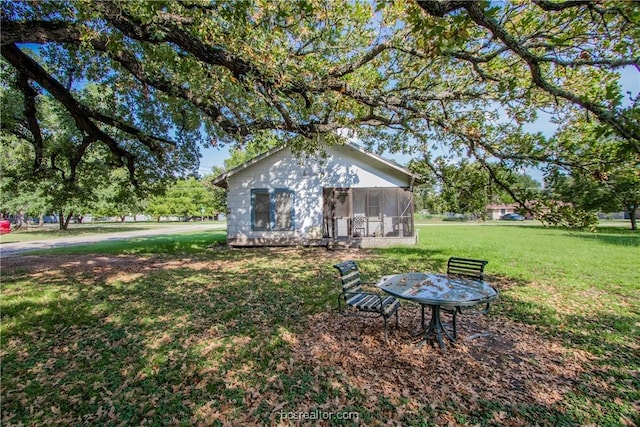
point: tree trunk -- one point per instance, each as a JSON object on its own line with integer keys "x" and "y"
{"x": 122, "y": 218}
{"x": 22, "y": 223}
{"x": 64, "y": 221}
{"x": 632, "y": 215}
{"x": 68, "y": 220}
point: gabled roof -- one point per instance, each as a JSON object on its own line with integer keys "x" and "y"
{"x": 221, "y": 180}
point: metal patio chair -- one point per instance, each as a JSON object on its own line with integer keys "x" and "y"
{"x": 354, "y": 300}
{"x": 359, "y": 226}
{"x": 466, "y": 268}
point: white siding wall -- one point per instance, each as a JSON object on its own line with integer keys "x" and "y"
{"x": 342, "y": 167}
{"x": 347, "y": 167}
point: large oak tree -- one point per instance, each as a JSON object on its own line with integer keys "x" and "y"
{"x": 460, "y": 77}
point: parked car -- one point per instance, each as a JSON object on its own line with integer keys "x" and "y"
{"x": 5, "y": 226}
{"x": 512, "y": 217}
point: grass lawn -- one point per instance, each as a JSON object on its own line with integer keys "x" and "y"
{"x": 52, "y": 231}
{"x": 184, "y": 331}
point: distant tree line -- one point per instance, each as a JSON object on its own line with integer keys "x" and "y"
{"x": 572, "y": 198}
{"x": 186, "y": 198}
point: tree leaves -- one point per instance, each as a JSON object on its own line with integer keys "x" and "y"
{"x": 421, "y": 76}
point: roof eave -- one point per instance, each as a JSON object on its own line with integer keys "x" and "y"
{"x": 392, "y": 164}
{"x": 221, "y": 180}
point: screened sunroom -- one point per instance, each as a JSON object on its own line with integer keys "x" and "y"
{"x": 361, "y": 213}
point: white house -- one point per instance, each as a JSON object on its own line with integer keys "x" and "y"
{"x": 345, "y": 196}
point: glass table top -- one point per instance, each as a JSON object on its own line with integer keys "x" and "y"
{"x": 438, "y": 289}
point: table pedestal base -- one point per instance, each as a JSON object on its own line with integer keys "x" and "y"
{"x": 435, "y": 327}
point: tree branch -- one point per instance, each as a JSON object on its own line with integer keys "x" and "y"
{"x": 343, "y": 70}
{"x": 38, "y": 32}
{"x": 80, "y": 114}
{"x": 476, "y": 14}
{"x": 559, "y": 6}
{"x": 32, "y": 121}
{"x": 212, "y": 55}
{"x": 440, "y": 8}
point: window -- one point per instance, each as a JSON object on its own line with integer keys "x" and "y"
{"x": 261, "y": 210}
{"x": 366, "y": 202}
{"x": 283, "y": 209}
{"x": 373, "y": 203}
{"x": 272, "y": 209}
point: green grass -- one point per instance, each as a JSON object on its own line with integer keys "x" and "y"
{"x": 180, "y": 330}
{"x": 559, "y": 278}
{"x": 185, "y": 243}
{"x": 52, "y": 231}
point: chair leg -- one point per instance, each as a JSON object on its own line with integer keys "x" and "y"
{"x": 422, "y": 325}
{"x": 487, "y": 309}
{"x": 455, "y": 331}
{"x": 397, "y": 324}
{"x": 386, "y": 333}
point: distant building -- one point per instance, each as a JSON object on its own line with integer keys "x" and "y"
{"x": 497, "y": 211}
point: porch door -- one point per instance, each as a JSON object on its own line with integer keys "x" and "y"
{"x": 337, "y": 212}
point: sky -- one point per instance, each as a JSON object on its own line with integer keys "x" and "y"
{"x": 629, "y": 80}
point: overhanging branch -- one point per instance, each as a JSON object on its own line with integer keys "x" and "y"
{"x": 80, "y": 113}
{"x": 475, "y": 12}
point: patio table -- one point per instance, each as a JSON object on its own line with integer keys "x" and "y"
{"x": 437, "y": 291}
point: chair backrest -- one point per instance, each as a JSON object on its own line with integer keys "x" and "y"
{"x": 349, "y": 276}
{"x": 467, "y": 267}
